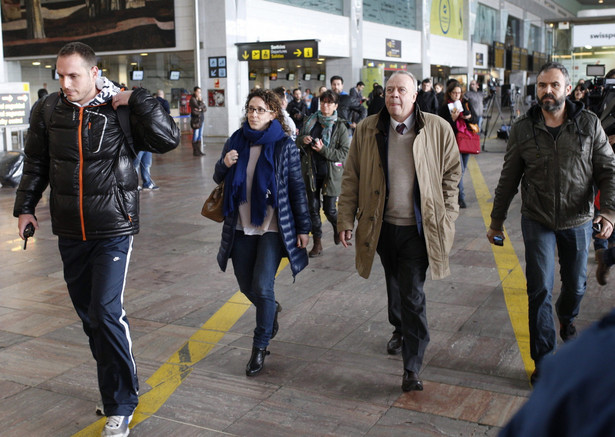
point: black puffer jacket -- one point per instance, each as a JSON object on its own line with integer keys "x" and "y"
{"x": 84, "y": 157}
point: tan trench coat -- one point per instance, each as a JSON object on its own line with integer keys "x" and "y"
{"x": 364, "y": 188}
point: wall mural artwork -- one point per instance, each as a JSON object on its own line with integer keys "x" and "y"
{"x": 42, "y": 27}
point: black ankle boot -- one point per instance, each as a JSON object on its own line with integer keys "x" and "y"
{"x": 276, "y": 326}
{"x": 257, "y": 361}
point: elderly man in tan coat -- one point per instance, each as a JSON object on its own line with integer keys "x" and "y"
{"x": 400, "y": 183}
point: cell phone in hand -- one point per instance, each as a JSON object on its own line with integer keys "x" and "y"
{"x": 498, "y": 240}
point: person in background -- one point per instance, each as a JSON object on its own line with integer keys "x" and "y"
{"x": 377, "y": 101}
{"x": 307, "y": 98}
{"x": 580, "y": 95}
{"x": 42, "y": 92}
{"x": 557, "y": 151}
{"x": 400, "y": 184}
{"x": 297, "y": 109}
{"x": 371, "y": 93}
{"x": 266, "y": 212}
{"x": 81, "y": 153}
{"x": 458, "y": 119}
{"x": 323, "y": 142}
{"x": 439, "y": 89}
{"x": 427, "y": 99}
{"x": 143, "y": 161}
{"x": 315, "y": 105}
{"x": 476, "y": 98}
{"x": 281, "y": 93}
{"x": 197, "y": 118}
{"x": 346, "y": 110}
{"x": 356, "y": 93}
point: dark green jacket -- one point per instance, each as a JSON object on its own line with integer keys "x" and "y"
{"x": 557, "y": 176}
{"x": 335, "y": 155}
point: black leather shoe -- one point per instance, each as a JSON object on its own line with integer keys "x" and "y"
{"x": 568, "y": 332}
{"x": 257, "y": 361}
{"x": 534, "y": 377}
{"x": 394, "y": 344}
{"x": 411, "y": 382}
{"x": 276, "y": 326}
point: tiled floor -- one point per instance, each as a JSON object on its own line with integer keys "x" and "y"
{"x": 328, "y": 372}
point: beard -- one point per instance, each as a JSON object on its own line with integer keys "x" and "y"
{"x": 552, "y": 107}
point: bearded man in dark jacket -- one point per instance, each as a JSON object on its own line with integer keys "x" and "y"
{"x": 76, "y": 146}
{"x": 557, "y": 152}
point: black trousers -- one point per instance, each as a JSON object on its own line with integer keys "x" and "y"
{"x": 403, "y": 254}
{"x": 328, "y": 206}
{"x": 95, "y": 273}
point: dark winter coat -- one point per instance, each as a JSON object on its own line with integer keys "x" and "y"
{"x": 292, "y": 211}
{"x": 557, "y": 176}
{"x": 85, "y": 159}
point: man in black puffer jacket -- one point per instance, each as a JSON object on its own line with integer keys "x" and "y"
{"x": 82, "y": 153}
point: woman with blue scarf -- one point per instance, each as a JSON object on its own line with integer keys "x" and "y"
{"x": 266, "y": 212}
{"x": 324, "y": 145}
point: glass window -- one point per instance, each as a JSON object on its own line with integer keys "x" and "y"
{"x": 398, "y": 13}
{"x": 535, "y": 42}
{"x": 485, "y": 27}
{"x": 330, "y": 6}
{"x": 513, "y": 32}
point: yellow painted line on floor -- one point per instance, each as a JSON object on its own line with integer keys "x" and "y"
{"x": 176, "y": 369}
{"x": 511, "y": 274}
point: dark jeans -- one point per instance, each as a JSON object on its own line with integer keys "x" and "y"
{"x": 95, "y": 273}
{"x": 464, "y": 165}
{"x": 572, "y": 246}
{"x": 255, "y": 260}
{"x": 403, "y": 254}
{"x": 328, "y": 206}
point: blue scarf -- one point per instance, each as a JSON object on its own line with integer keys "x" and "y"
{"x": 264, "y": 188}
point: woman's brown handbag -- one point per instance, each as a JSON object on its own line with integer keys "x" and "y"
{"x": 213, "y": 208}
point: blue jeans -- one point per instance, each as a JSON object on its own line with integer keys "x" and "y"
{"x": 143, "y": 162}
{"x": 196, "y": 134}
{"x": 256, "y": 259}
{"x": 572, "y": 246}
{"x": 464, "y": 164}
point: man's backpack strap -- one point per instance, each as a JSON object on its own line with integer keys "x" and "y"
{"x": 49, "y": 105}
{"x": 123, "y": 115}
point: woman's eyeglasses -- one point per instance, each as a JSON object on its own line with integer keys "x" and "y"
{"x": 258, "y": 110}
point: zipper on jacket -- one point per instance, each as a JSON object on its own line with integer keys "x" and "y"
{"x": 80, "y": 133}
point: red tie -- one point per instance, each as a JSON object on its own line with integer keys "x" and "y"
{"x": 400, "y": 128}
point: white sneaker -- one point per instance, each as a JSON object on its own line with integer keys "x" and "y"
{"x": 117, "y": 426}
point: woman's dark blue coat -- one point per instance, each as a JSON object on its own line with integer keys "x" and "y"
{"x": 292, "y": 212}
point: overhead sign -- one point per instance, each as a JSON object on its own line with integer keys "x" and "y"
{"x": 278, "y": 50}
{"x": 593, "y": 35}
{"x": 393, "y": 48}
{"x": 14, "y": 104}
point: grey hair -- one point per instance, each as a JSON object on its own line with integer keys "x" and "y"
{"x": 406, "y": 73}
